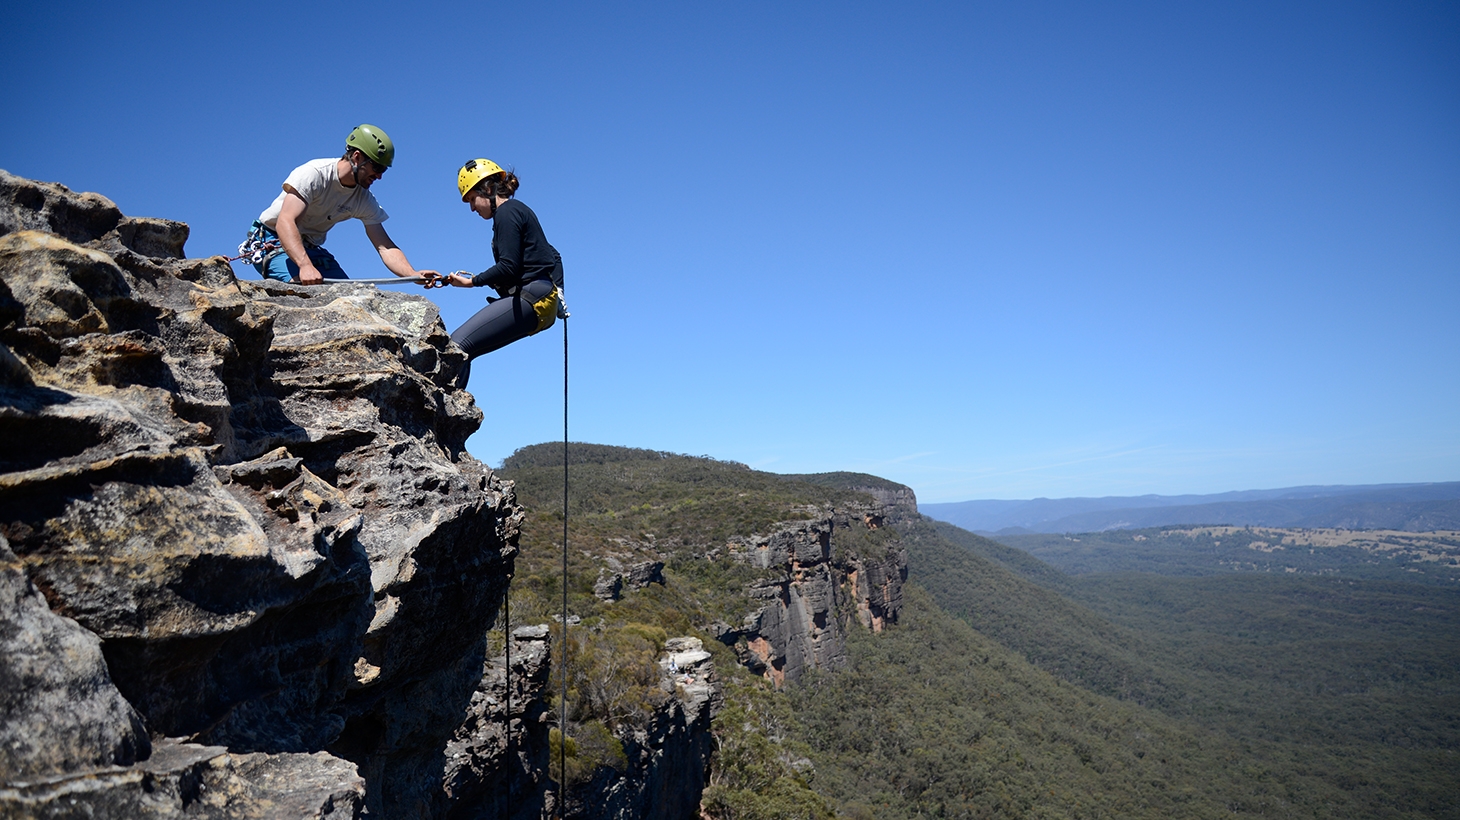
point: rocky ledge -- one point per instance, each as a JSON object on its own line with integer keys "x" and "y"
{"x": 243, "y": 550}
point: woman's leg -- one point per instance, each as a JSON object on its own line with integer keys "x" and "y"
{"x": 497, "y": 325}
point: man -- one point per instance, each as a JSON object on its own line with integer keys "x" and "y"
{"x": 286, "y": 240}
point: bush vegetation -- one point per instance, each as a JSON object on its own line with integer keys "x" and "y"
{"x": 1353, "y": 555}
{"x": 1007, "y": 688}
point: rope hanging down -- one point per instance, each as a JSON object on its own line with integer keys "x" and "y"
{"x": 563, "y": 700}
{"x": 507, "y": 676}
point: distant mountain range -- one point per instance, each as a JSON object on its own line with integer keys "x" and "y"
{"x": 1408, "y": 507}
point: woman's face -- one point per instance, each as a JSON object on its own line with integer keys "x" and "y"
{"x": 482, "y": 204}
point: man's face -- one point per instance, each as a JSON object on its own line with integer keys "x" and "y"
{"x": 367, "y": 170}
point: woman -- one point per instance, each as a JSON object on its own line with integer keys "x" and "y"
{"x": 528, "y": 274}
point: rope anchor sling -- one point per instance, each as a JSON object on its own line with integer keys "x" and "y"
{"x": 256, "y": 249}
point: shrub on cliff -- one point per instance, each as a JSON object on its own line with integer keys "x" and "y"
{"x": 762, "y": 770}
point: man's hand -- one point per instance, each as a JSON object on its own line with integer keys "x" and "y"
{"x": 459, "y": 279}
{"x": 291, "y": 240}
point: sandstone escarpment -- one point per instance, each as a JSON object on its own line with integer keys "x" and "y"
{"x": 497, "y": 760}
{"x": 827, "y": 570}
{"x": 236, "y": 513}
{"x": 667, "y": 758}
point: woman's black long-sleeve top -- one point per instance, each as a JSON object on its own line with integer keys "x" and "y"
{"x": 520, "y": 249}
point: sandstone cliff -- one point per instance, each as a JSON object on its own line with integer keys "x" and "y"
{"x": 826, "y": 571}
{"x": 666, "y": 760}
{"x": 245, "y": 560}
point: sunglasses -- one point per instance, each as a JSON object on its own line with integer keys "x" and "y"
{"x": 374, "y": 166}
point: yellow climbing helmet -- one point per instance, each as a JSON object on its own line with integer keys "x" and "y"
{"x": 373, "y": 143}
{"x": 474, "y": 171}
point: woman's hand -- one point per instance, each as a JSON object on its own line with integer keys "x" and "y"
{"x": 459, "y": 279}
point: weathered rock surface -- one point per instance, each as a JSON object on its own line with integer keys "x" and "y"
{"x": 256, "y": 496}
{"x": 188, "y": 780}
{"x": 497, "y": 761}
{"x": 62, "y": 712}
{"x": 616, "y": 577}
{"x": 247, "y": 569}
{"x": 668, "y": 758}
{"x": 801, "y": 625}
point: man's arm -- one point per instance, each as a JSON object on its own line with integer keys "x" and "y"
{"x": 293, "y": 241}
{"x": 393, "y": 257}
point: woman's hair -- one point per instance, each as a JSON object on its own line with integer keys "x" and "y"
{"x": 503, "y": 184}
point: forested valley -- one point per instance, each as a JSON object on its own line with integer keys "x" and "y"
{"x": 1007, "y": 687}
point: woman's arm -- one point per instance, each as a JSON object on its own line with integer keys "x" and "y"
{"x": 506, "y": 248}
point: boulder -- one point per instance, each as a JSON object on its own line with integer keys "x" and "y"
{"x": 182, "y": 780}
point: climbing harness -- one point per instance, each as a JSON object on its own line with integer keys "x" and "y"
{"x": 547, "y": 308}
{"x": 263, "y": 244}
{"x": 258, "y": 248}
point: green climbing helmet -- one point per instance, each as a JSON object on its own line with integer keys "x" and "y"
{"x": 373, "y": 142}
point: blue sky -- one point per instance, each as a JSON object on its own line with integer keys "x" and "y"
{"x": 990, "y": 250}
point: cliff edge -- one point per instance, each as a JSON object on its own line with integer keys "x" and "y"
{"x": 247, "y": 567}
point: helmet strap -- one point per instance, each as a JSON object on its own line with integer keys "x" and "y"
{"x": 492, "y": 200}
{"x": 354, "y": 167}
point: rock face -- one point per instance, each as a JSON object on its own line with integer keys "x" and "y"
{"x": 497, "y": 760}
{"x": 615, "y": 577}
{"x": 63, "y": 713}
{"x": 188, "y": 780}
{"x": 247, "y": 569}
{"x": 801, "y": 625}
{"x": 252, "y": 500}
{"x": 667, "y": 759}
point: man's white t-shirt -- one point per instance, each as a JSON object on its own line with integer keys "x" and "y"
{"x": 327, "y": 201}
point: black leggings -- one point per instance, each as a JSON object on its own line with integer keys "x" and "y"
{"x": 500, "y": 324}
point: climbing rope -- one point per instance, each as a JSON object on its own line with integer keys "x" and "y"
{"x": 384, "y": 280}
{"x": 563, "y": 678}
{"x": 507, "y": 719}
{"x": 258, "y": 249}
